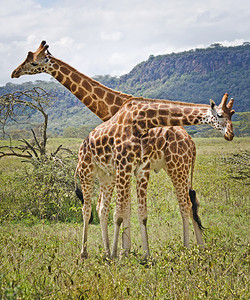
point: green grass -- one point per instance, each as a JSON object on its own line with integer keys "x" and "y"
{"x": 40, "y": 259}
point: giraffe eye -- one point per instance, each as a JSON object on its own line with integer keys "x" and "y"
{"x": 34, "y": 64}
{"x": 219, "y": 115}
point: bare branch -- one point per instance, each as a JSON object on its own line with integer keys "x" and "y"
{"x": 34, "y": 135}
{"x": 57, "y": 150}
{"x": 13, "y": 152}
{"x": 29, "y": 146}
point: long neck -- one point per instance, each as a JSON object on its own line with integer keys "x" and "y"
{"x": 146, "y": 114}
{"x": 101, "y": 100}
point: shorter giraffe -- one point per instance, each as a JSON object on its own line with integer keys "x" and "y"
{"x": 176, "y": 161}
{"x": 118, "y": 148}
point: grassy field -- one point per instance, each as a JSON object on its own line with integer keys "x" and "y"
{"x": 39, "y": 259}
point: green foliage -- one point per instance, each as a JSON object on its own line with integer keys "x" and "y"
{"x": 41, "y": 262}
{"x": 74, "y": 132}
{"x": 242, "y": 124}
{"x": 45, "y": 191}
{"x": 40, "y": 259}
{"x": 239, "y": 166}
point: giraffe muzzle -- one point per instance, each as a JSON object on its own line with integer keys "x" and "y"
{"x": 229, "y": 137}
{"x": 14, "y": 74}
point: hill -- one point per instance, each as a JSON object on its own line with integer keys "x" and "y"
{"x": 190, "y": 76}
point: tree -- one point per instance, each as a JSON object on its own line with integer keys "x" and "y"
{"x": 47, "y": 190}
{"x": 16, "y": 106}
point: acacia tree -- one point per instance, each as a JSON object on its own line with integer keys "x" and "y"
{"x": 49, "y": 186}
{"x": 13, "y": 108}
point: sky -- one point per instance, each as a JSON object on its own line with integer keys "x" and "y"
{"x": 100, "y": 37}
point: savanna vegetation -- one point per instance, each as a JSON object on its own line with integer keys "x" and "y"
{"x": 41, "y": 229}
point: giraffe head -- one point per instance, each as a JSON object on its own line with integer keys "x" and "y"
{"x": 36, "y": 62}
{"x": 221, "y": 115}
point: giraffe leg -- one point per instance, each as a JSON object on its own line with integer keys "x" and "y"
{"x": 87, "y": 176}
{"x": 185, "y": 221}
{"x": 122, "y": 212}
{"x": 126, "y": 231}
{"x": 86, "y": 212}
{"x": 103, "y": 210}
{"x": 185, "y": 205}
{"x": 198, "y": 232}
{"x": 142, "y": 178}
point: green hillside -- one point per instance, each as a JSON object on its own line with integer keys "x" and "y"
{"x": 190, "y": 76}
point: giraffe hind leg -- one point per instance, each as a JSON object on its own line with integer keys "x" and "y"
{"x": 142, "y": 178}
{"x": 106, "y": 192}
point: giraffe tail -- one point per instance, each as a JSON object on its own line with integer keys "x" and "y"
{"x": 78, "y": 192}
{"x": 192, "y": 193}
{"x": 195, "y": 206}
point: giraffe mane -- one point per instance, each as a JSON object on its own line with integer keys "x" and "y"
{"x": 148, "y": 100}
{"x": 97, "y": 83}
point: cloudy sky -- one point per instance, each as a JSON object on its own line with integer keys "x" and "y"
{"x": 112, "y": 36}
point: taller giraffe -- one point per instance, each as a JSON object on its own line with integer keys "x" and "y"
{"x": 118, "y": 148}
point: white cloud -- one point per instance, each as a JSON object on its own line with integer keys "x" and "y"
{"x": 111, "y": 37}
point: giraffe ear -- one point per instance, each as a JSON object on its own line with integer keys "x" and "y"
{"x": 212, "y": 104}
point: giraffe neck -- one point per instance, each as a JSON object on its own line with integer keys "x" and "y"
{"x": 148, "y": 114}
{"x": 101, "y": 100}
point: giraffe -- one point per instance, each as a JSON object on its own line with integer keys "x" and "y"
{"x": 101, "y": 100}
{"x": 119, "y": 147}
{"x": 176, "y": 161}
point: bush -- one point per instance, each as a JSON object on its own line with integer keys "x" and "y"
{"x": 44, "y": 192}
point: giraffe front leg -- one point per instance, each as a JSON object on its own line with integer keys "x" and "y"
{"x": 117, "y": 225}
{"x": 126, "y": 232}
{"x": 119, "y": 218}
{"x": 122, "y": 212}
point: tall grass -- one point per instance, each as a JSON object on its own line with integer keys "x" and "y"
{"x": 40, "y": 259}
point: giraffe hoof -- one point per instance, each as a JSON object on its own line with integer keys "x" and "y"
{"x": 113, "y": 255}
{"x": 124, "y": 253}
{"x": 84, "y": 255}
